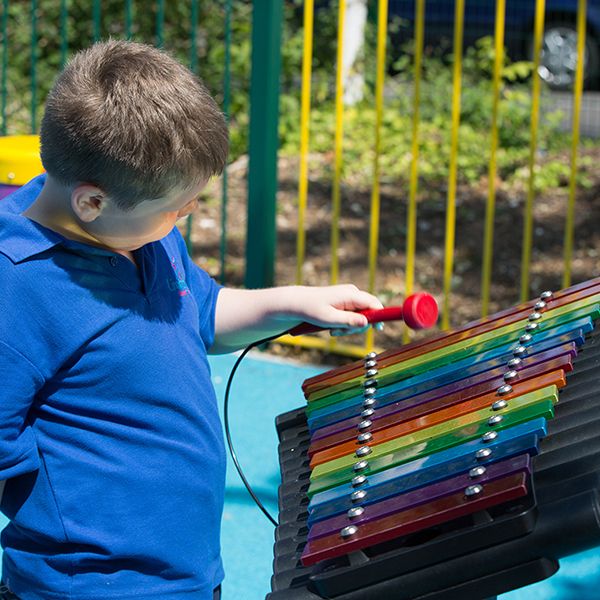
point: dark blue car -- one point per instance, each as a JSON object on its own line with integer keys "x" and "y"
{"x": 559, "y": 49}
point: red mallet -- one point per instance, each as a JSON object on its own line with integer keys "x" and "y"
{"x": 419, "y": 311}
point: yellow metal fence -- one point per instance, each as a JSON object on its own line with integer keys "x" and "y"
{"x": 14, "y": 30}
{"x": 413, "y": 176}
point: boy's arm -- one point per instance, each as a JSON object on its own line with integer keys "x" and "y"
{"x": 244, "y": 316}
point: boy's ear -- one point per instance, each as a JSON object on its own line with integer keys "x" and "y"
{"x": 87, "y": 201}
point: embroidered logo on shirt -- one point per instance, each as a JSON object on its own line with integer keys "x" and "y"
{"x": 178, "y": 284}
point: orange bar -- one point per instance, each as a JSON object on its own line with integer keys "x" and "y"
{"x": 394, "y": 355}
{"x": 437, "y": 399}
{"x": 385, "y": 435}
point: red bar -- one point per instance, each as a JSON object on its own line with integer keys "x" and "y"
{"x": 415, "y": 519}
{"x": 422, "y": 495}
{"x": 390, "y": 411}
{"x": 437, "y": 399}
{"x": 440, "y": 416}
{"x": 510, "y": 315}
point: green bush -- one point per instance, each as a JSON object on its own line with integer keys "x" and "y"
{"x": 176, "y": 37}
{"x": 514, "y": 114}
{"x": 359, "y": 121}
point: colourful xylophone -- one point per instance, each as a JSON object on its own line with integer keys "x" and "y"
{"x": 446, "y": 468}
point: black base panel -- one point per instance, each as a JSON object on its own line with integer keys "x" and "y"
{"x": 475, "y": 557}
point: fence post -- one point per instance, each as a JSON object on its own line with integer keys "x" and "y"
{"x": 267, "y": 16}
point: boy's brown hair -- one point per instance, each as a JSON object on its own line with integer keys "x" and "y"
{"x": 130, "y": 119}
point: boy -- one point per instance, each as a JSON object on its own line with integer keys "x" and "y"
{"x": 111, "y": 449}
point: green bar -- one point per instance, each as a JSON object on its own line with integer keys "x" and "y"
{"x": 188, "y": 233}
{"x": 64, "y": 39}
{"x": 429, "y": 438}
{"x": 160, "y": 21}
{"x": 264, "y": 115}
{"x": 128, "y": 18}
{"x": 533, "y": 405}
{"x": 193, "y": 67}
{"x": 4, "y": 63}
{"x": 34, "y": 45}
{"x": 432, "y": 362}
{"x": 193, "y": 36}
{"x": 462, "y": 349}
{"x": 96, "y": 16}
{"x": 226, "y": 108}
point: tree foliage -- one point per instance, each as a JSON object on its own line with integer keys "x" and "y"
{"x": 35, "y": 54}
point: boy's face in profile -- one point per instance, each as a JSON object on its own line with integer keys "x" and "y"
{"x": 149, "y": 221}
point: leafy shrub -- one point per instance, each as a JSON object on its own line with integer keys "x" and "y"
{"x": 25, "y": 102}
{"x": 514, "y": 116}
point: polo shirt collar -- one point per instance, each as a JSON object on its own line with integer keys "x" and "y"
{"x": 21, "y": 238}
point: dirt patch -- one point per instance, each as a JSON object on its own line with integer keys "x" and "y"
{"x": 550, "y": 211}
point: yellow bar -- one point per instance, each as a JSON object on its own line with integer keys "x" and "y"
{"x": 375, "y": 207}
{"x": 540, "y": 9}
{"x": 459, "y": 17}
{"x": 568, "y": 243}
{"x": 488, "y": 238}
{"x": 411, "y": 228}
{"x": 307, "y": 341}
{"x": 339, "y": 136}
{"x": 304, "y": 136}
{"x": 382, "y": 12}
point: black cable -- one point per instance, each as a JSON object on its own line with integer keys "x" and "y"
{"x": 226, "y": 420}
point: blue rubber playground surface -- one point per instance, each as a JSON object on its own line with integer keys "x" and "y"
{"x": 262, "y": 389}
{"x": 265, "y": 387}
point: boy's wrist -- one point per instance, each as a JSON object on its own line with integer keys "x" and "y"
{"x": 288, "y": 303}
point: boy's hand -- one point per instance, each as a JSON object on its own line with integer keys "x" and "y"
{"x": 334, "y": 307}
{"x": 243, "y": 316}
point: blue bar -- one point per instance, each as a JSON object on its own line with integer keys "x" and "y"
{"x": 544, "y": 340}
{"x": 429, "y": 469}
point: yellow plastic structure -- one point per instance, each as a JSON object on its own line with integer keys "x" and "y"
{"x": 19, "y": 159}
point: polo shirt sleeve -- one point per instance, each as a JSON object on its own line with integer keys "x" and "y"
{"x": 19, "y": 382}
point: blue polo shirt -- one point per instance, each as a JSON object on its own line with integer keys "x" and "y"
{"x": 110, "y": 437}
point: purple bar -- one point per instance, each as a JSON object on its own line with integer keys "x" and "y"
{"x": 421, "y": 496}
{"x": 401, "y": 405}
{"x": 6, "y": 190}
